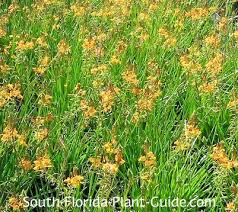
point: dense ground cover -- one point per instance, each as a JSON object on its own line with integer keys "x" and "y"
{"x": 129, "y": 98}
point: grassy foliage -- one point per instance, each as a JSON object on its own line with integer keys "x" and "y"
{"x": 118, "y": 98}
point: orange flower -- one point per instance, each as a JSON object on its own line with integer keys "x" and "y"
{"x": 213, "y": 41}
{"x": 40, "y": 120}
{"x": 148, "y": 159}
{"x": 41, "y": 42}
{"x": 191, "y": 131}
{"x": 89, "y": 111}
{"x": 223, "y": 24}
{"x": 190, "y": 65}
{"x": 214, "y": 66}
{"x": 26, "y": 164}
{"x": 163, "y": 32}
{"x": 22, "y": 45}
{"x": 114, "y": 60}
{"x": 75, "y": 181}
{"x": 235, "y": 34}
{"x": 15, "y": 203}
{"x": 44, "y": 61}
{"x": 9, "y": 92}
{"x": 110, "y": 168}
{"x": 39, "y": 70}
{"x": 208, "y": 87}
{"x": 42, "y": 163}
{"x": 78, "y": 10}
{"x": 130, "y": 77}
{"x": 45, "y": 100}
{"x": 119, "y": 157}
{"x": 63, "y": 48}
{"x": 107, "y": 99}
{"x": 2, "y": 33}
{"x": 95, "y": 161}
{"x": 99, "y": 70}
{"x": 109, "y": 147}
{"x": 230, "y": 206}
{"x": 197, "y": 13}
{"x": 219, "y": 156}
{"x": 136, "y": 117}
{"x": 89, "y": 44}
{"x": 9, "y": 134}
{"x": 21, "y": 140}
{"x": 42, "y": 134}
{"x": 4, "y": 68}
{"x": 170, "y": 42}
{"x": 145, "y": 103}
{"x": 233, "y": 104}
